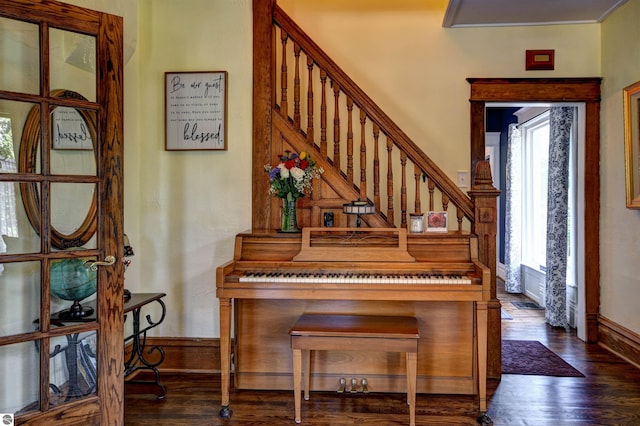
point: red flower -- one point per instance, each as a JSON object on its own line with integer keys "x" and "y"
{"x": 289, "y": 164}
{"x": 303, "y": 164}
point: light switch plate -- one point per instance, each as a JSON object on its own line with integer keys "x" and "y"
{"x": 463, "y": 179}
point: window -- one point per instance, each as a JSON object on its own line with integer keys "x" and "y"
{"x": 535, "y": 142}
{"x": 6, "y": 144}
{"x": 8, "y": 219}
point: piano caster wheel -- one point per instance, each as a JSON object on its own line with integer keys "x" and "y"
{"x": 225, "y": 412}
{"x": 485, "y": 420}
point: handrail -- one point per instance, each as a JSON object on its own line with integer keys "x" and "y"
{"x": 375, "y": 113}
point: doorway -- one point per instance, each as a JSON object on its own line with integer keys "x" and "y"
{"x": 531, "y": 122}
{"x": 550, "y": 90}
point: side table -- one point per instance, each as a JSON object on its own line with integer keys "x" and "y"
{"x": 137, "y": 359}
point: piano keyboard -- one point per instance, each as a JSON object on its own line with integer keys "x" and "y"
{"x": 355, "y": 278}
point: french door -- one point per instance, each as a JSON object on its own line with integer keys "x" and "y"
{"x": 61, "y": 231}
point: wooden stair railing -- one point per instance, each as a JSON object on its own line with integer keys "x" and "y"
{"x": 372, "y": 129}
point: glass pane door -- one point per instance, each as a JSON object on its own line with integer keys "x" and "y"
{"x": 55, "y": 334}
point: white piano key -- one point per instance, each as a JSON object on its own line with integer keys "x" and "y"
{"x": 348, "y": 278}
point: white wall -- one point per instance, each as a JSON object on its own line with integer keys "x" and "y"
{"x": 182, "y": 209}
{"x": 619, "y": 226}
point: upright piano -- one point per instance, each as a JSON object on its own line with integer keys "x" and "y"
{"x": 275, "y": 277}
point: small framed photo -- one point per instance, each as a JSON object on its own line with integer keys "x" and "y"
{"x": 437, "y": 221}
{"x": 195, "y": 111}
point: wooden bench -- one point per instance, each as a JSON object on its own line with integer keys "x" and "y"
{"x": 353, "y": 332}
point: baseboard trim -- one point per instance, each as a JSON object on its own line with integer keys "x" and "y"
{"x": 198, "y": 355}
{"x": 188, "y": 355}
{"x": 619, "y": 340}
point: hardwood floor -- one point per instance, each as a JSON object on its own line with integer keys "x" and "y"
{"x": 608, "y": 395}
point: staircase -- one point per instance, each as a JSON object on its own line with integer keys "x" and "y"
{"x": 365, "y": 155}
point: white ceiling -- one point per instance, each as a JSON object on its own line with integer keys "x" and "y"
{"x": 478, "y": 13}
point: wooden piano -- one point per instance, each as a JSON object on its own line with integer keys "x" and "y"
{"x": 275, "y": 277}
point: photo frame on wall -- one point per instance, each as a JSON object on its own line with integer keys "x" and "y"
{"x": 437, "y": 221}
{"x": 196, "y": 111}
{"x": 632, "y": 144}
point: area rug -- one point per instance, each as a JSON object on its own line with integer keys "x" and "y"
{"x": 527, "y": 305}
{"x": 505, "y": 315}
{"x": 530, "y": 357}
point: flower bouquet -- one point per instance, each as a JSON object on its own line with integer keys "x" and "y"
{"x": 291, "y": 179}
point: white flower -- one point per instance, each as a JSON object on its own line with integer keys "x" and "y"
{"x": 284, "y": 172}
{"x": 297, "y": 173}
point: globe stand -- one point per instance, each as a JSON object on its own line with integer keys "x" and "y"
{"x": 76, "y": 311}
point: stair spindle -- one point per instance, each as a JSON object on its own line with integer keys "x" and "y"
{"x": 350, "y": 140}
{"x": 416, "y": 174}
{"x": 296, "y": 88}
{"x": 310, "y": 102}
{"x": 403, "y": 190}
{"x": 460, "y": 216}
{"x": 445, "y": 202}
{"x": 376, "y": 167}
{"x": 390, "y": 210}
{"x": 363, "y": 155}
{"x": 284, "y": 104}
{"x": 432, "y": 187}
{"x": 323, "y": 114}
{"x": 336, "y": 125}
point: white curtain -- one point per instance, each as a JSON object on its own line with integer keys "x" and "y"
{"x": 513, "y": 225}
{"x": 8, "y": 219}
{"x": 561, "y": 121}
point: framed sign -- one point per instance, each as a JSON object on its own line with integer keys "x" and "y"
{"x": 70, "y": 130}
{"x": 540, "y": 59}
{"x": 195, "y": 111}
{"x": 632, "y": 144}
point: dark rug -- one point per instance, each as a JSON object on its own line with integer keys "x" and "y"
{"x": 527, "y": 305}
{"x": 530, "y": 357}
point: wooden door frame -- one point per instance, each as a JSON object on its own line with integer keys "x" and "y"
{"x": 587, "y": 91}
{"x": 110, "y": 310}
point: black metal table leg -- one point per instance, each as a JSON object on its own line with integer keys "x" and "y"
{"x": 138, "y": 358}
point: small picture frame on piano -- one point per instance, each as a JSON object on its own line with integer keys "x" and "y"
{"x": 437, "y": 221}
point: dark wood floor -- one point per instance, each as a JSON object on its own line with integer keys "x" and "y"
{"x": 608, "y": 395}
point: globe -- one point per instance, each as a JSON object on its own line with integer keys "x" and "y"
{"x": 72, "y": 280}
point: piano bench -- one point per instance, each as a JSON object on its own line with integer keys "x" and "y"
{"x": 353, "y": 332}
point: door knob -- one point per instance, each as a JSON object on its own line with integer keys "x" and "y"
{"x": 93, "y": 265}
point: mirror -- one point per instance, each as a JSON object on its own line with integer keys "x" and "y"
{"x": 28, "y": 162}
{"x": 632, "y": 144}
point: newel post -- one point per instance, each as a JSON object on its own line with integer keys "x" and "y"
{"x": 484, "y": 197}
